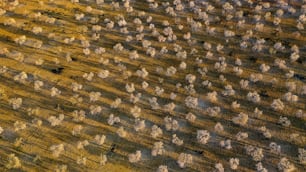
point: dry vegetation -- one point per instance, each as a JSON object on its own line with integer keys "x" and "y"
{"x": 152, "y": 85}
